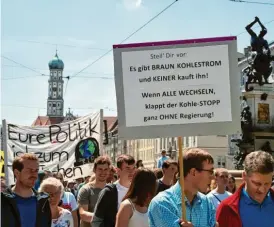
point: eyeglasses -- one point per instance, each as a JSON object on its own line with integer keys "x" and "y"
{"x": 211, "y": 171}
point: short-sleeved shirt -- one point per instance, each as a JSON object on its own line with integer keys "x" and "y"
{"x": 69, "y": 201}
{"x": 254, "y": 214}
{"x": 88, "y": 195}
{"x": 161, "y": 161}
{"x": 216, "y": 198}
{"x": 165, "y": 209}
{"x": 27, "y": 209}
{"x": 65, "y": 220}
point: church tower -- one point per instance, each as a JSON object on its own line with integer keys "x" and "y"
{"x": 55, "y": 104}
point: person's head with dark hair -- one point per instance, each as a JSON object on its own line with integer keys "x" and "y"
{"x": 58, "y": 176}
{"x": 139, "y": 194}
{"x": 258, "y": 173}
{"x": 25, "y": 169}
{"x": 41, "y": 175}
{"x": 139, "y": 163}
{"x": 112, "y": 171}
{"x": 198, "y": 169}
{"x": 170, "y": 164}
{"x": 125, "y": 169}
{"x": 163, "y": 153}
{"x": 231, "y": 186}
{"x": 101, "y": 160}
{"x": 158, "y": 173}
{"x": 101, "y": 168}
{"x": 170, "y": 169}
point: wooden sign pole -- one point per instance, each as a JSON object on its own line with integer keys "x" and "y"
{"x": 180, "y": 145}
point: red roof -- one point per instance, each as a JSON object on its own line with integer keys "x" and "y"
{"x": 110, "y": 122}
{"x": 46, "y": 120}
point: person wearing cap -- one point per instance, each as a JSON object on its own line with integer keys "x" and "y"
{"x": 162, "y": 159}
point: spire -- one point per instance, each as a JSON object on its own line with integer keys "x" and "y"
{"x": 56, "y": 55}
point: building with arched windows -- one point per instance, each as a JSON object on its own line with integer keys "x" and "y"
{"x": 55, "y": 104}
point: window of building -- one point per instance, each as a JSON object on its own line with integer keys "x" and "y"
{"x": 54, "y": 104}
{"x": 221, "y": 161}
{"x": 54, "y": 84}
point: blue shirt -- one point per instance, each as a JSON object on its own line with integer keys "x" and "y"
{"x": 254, "y": 214}
{"x": 161, "y": 161}
{"x": 27, "y": 209}
{"x": 165, "y": 209}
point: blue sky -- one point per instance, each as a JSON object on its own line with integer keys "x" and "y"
{"x": 92, "y": 27}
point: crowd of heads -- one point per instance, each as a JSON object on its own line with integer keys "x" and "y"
{"x": 198, "y": 171}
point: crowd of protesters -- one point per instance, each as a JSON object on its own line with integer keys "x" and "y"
{"x": 129, "y": 195}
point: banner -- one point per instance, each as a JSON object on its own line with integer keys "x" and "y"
{"x": 2, "y": 161}
{"x": 65, "y": 147}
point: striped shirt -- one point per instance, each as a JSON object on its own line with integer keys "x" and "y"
{"x": 165, "y": 209}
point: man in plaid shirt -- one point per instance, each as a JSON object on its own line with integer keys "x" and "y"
{"x": 165, "y": 209}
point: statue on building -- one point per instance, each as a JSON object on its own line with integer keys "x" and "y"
{"x": 246, "y": 125}
{"x": 260, "y": 67}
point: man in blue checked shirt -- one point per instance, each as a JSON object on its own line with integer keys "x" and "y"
{"x": 165, "y": 209}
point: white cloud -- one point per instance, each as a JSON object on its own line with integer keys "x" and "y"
{"x": 132, "y": 4}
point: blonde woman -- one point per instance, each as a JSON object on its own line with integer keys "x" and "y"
{"x": 60, "y": 217}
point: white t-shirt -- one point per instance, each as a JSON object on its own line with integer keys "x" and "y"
{"x": 122, "y": 191}
{"x": 216, "y": 197}
{"x": 69, "y": 201}
{"x": 65, "y": 220}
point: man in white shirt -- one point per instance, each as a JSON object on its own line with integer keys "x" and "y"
{"x": 218, "y": 194}
{"x": 111, "y": 196}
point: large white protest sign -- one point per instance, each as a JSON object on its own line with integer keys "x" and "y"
{"x": 188, "y": 87}
{"x": 64, "y": 147}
